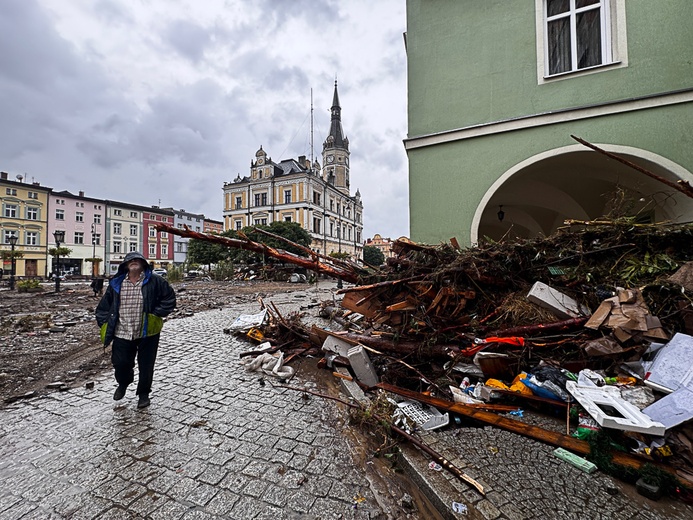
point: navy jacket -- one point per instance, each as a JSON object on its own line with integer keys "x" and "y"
{"x": 158, "y": 298}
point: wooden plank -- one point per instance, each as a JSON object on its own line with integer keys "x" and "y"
{"x": 368, "y": 308}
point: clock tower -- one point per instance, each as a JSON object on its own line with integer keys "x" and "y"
{"x": 335, "y": 150}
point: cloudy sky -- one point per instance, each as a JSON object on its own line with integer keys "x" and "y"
{"x": 162, "y": 101}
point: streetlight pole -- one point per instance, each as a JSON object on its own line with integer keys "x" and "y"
{"x": 93, "y": 251}
{"x": 13, "y": 242}
{"x": 59, "y": 239}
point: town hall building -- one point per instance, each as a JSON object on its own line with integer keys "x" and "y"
{"x": 298, "y": 190}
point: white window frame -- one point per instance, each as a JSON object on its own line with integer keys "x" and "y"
{"x": 614, "y": 41}
{"x": 79, "y": 216}
{"x": 31, "y": 238}
{"x": 116, "y": 246}
{"x": 79, "y": 238}
{"x": 32, "y": 213}
{"x": 117, "y": 229}
{"x": 152, "y": 250}
{"x": 164, "y": 251}
{"x": 11, "y": 211}
{"x": 133, "y": 230}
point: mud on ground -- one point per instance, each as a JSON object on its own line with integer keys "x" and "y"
{"x": 49, "y": 338}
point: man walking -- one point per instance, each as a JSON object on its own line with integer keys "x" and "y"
{"x": 130, "y": 316}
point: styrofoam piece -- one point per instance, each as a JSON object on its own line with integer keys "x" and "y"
{"x": 362, "y": 366}
{"x": 428, "y": 418}
{"x": 555, "y": 301}
{"x": 672, "y": 365}
{"x": 673, "y": 409}
{"x": 247, "y": 321}
{"x": 336, "y": 345}
{"x": 610, "y": 411}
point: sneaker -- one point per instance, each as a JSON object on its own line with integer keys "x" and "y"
{"x": 143, "y": 402}
{"x": 119, "y": 393}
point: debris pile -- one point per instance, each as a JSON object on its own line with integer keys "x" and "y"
{"x": 593, "y": 324}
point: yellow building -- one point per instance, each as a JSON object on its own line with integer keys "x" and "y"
{"x": 298, "y": 190}
{"x": 24, "y": 215}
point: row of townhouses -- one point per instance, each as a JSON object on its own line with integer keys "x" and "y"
{"x": 98, "y": 232}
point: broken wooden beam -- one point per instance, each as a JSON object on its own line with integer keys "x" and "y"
{"x": 346, "y": 274}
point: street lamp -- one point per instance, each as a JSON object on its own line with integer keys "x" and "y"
{"x": 59, "y": 239}
{"x": 13, "y": 242}
{"x": 93, "y": 251}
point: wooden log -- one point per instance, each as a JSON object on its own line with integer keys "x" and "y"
{"x": 318, "y": 336}
{"x": 348, "y": 275}
{"x": 403, "y": 348}
{"x": 528, "y": 330}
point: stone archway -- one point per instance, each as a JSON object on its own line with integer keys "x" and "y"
{"x": 538, "y": 194}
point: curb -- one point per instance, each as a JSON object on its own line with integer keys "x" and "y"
{"x": 434, "y": 486}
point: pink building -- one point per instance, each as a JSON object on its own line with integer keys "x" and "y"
{"x": 158, "y": 245}
{"x": 83, "y": 221}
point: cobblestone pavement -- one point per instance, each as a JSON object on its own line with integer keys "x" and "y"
{"x": 215, "y": 443}
{"x": 524, "y": 480}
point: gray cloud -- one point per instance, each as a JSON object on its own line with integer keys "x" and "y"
{"x": 174, "y": 98}
{"x": 187, "y": 38}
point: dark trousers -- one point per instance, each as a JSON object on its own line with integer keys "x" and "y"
{"x": 123, "y": 357}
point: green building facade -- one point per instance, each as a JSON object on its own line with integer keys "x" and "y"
{"x": 496, "y": 89}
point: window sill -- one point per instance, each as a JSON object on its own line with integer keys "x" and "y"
{"x": 582, "y": 72}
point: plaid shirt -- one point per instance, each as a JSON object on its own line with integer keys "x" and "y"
{"x": 131, "y": 307}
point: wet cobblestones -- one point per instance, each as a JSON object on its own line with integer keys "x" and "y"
{"x": 215, "y": 443}
{"x": 524, "y": 480}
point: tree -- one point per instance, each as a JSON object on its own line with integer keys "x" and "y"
{"x": 289, "y": 230}
{"x": 373, "y": 256}
{"x": 205, "y": 253}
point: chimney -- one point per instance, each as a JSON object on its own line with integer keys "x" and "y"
{"x": 81, "y": 194}
{"x": 3, "y": 176}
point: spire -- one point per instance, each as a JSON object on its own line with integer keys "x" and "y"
{"x": 336, "y": 137}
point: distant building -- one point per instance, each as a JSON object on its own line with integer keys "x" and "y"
{"x": 83, "y": 219}
{"x": 24, "y": 215}
{"x": 213, "y": 226}
{"x": 182, "y": 219}
{"x": 123, "y": 233}
{"x": 298, "y": 190}
{"x": 157, "y": 245}
{"x": 384, "y": 244}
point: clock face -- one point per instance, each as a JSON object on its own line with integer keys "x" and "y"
{"x": 260, "y": 160}
{"x": 330, "y": 158}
